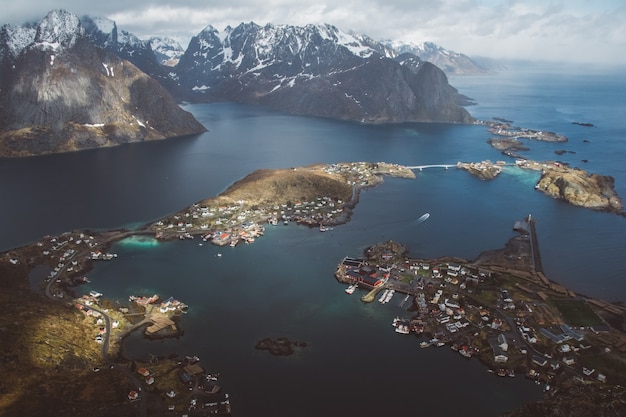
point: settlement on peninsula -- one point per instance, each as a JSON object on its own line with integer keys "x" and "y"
{"x": 318, "y": 196}
{"x": 499, "y": 308}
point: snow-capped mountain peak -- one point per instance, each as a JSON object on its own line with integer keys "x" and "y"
{"x": 58, "y": 30}
{"x": 167, "y": 50}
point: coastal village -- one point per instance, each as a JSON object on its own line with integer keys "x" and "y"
{"x": 183, "y": 385}
{"x": 499, "y": 308}
{"x": 233, "y": 217}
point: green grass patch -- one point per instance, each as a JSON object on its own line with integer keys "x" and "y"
{"x": 577, "y": 312}
{"x": 486, "y": 296}
{"x": 407, "y": 278}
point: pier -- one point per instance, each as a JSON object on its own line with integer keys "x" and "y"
{"x": 534, "y": 246}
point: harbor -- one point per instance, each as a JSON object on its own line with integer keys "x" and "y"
{"x": 499, "y": 308}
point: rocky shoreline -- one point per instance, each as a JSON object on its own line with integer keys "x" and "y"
{"x": 576, "y": 186}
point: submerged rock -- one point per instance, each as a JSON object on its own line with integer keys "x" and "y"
{"x": 280, "y": 346}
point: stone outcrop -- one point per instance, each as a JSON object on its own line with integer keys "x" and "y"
{"x": 580, "y": 188}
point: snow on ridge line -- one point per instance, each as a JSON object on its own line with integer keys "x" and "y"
{"x": 103, "y": 24}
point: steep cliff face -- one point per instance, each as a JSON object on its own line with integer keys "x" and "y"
{"x": 579, "y": 188}
{"x": 62, "y": 93}
{"x": 315, "y": 70}
{"x": 105, "y": 34}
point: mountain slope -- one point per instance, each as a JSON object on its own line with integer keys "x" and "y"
{"x": 314, "y": 70}
{"x": 452, "y": 63}
{"x": 62, "y": 93}
{"x": 104, "y": 33}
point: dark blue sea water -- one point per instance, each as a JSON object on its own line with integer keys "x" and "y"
{"x": 283, "y": 284}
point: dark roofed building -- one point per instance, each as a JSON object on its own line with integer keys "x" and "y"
{"x": 364, "y": 279}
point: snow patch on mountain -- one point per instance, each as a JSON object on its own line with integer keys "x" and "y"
{"x": 167, "y": 50}
{"x": 129, "y": 39}
{"x": 14, "y": 39}
{"x": 452, "y": 63}
{"x": 103, "y": 24}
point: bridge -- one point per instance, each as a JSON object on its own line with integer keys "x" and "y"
{"x": 421, "y": 167}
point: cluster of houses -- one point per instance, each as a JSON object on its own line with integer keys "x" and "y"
{"x": 102, "y": 256}
{"x": 83, "y": 307}
{"x": 231, "y": 225}
{"x": 240, "y": 221}
{"x": 448, "y": 310}
{"x": 172, "y": 305}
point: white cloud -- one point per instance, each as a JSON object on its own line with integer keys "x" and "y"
{"x": 572, "y": 30}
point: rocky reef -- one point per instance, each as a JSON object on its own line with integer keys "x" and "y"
{"x": 280, "y": 346}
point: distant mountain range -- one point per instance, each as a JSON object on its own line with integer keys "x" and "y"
{"x": 69, "y": 83}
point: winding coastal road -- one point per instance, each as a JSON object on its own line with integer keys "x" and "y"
{"x": 143, "y": 407}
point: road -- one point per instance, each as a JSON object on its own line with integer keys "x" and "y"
{"x": 143, "y": 407}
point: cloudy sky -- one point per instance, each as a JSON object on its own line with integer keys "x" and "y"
{"x": 557, "y": 30}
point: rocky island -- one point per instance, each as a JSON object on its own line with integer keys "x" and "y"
{"x": 576, "y": 186}
{"x": 508, "y": 137}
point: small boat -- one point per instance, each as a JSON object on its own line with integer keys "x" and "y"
{"x": 465, "y": 353}
{"x": 423, "y": 217}
{"x": 351, "y": 289}
{"x": 402, "y": 328}
{"x": 424, "y": 344}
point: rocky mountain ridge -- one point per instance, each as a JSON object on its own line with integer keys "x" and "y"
{"x": 310, "y": 70}
{"x": 62, "y": 93}
{"x": 314, "y": 70}
{"x": 452, "y": 63}
{"x": 167, "y": 50}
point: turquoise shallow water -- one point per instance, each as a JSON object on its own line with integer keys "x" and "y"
{"x": 283, "y": 284}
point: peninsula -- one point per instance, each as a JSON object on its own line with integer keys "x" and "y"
{"x": 503, "y": 310}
